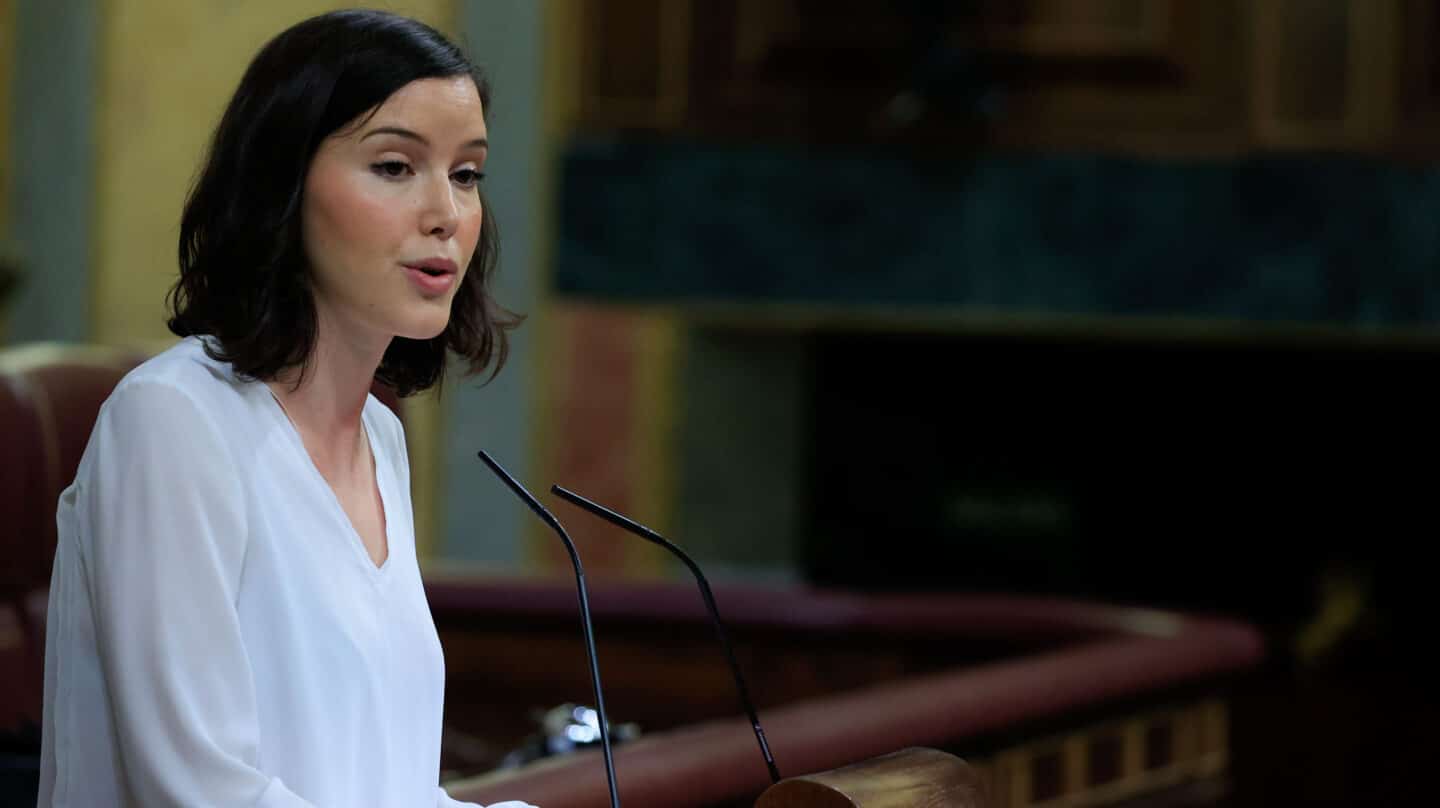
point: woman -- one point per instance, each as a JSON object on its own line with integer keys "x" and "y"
{"x": 236, "y": 615}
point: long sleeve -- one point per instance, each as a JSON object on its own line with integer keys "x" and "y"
{"x": 166, "y": 520}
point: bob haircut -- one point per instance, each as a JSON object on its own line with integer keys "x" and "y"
{"x": 244, "y": 279}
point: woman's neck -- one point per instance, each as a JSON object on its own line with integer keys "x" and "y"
{"x": 327, "y": 404}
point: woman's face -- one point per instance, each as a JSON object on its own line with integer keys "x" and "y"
{"x": 391, "y": 212}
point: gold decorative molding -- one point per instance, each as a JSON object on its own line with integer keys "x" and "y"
{"x": 1198, "y": 738}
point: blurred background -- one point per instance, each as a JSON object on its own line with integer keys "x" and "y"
{"x": 1124, "y": 300}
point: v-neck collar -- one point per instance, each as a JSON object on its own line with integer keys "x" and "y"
{"x": 357, "y": 543}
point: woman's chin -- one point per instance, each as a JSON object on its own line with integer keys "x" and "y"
{"x": 424, "y": 329}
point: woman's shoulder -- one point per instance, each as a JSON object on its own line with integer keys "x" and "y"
{"x": 183, "y": 372}
{"x": 180, "y": 409}
{"x": 184, "y": 364}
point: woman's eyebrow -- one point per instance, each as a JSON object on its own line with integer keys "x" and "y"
{"x": 479, "y": 142}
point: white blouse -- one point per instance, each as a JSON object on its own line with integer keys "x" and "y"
{"x": 217, "y": 634}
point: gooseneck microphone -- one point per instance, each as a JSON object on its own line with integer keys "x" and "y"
{"x": 549, "y": 519}
{"x": 655, "y": 538}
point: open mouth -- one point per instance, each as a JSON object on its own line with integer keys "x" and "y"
{"x": 432, "y": 280}
{"x": 433, "y": 272}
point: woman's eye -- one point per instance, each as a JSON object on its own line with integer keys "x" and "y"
{"x": 468, "y": 177}
{"x": 391, "y": 168}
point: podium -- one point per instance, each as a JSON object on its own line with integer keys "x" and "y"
{"x": 1049, "y": 701}
{"x": 911, "y": 778}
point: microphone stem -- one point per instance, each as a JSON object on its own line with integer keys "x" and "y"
{"x": 734, "y": 667}
{"x": 589, "y": 630}
{"x": 604, "y": 721}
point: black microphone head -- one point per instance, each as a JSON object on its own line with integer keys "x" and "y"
{"x": 525, "y": 496}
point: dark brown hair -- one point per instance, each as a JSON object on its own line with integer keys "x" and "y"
{"x": 244, "y": 279}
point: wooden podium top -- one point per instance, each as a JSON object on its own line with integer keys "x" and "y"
{"x": 911, "y": 778}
